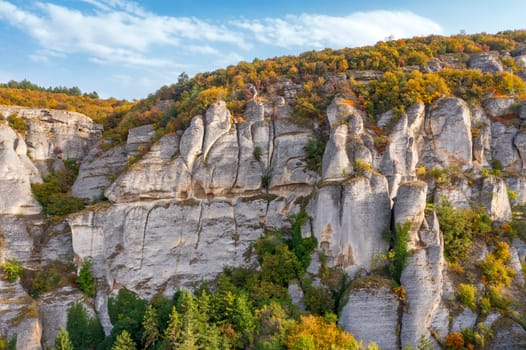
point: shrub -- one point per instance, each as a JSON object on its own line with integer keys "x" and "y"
{"x": 51, "y": 276}
{"x": 317, "y": 299}
{"x": 86, "y": 281}
{"x": 257, "y": 153}
{"x": 17, "y": 123}
{"x": 314, "y": 150}
{"x": 13, "y": 270}
{"x": 400, "y": 252}
{"x": 494, "y": 269}
{"x": 126, "y": 312}
{"x": 458, "y": 227}
{"x": 361, "y": 168}
{"x": 265, "y": 181}
{"x": 467, "y": 295}
{"x": 53, "y": 194}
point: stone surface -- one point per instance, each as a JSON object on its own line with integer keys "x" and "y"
{"x": 98, "y": 169}
{"x": 494, "y": 197}
{"x": 53, "y": 308}
{"x": 401, "y": 155}
{"x": 498, "y": 106}
{"x": 16, "y": 175}
{"x": 19, "y": 316}
{"x": 486, "y": 62}
{"x": 502, "y": 147}
{"x": 449, "y": 126}
{"x": 466, "y": 319}
{"x": 56, "y": 133}
{"x": 336, "y": 164}
{"x": 409, "y": 208}
{"x": 372, "y": 315}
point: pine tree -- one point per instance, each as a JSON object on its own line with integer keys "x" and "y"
{"x": 124, "y": 342}
{"x": 84, "y": 332}
{"x": 189, "y": 322}
{"x": 244, "y": 320}
{"x": 173, "y": 331}
{"x": 151, "y": 328}
{"x": 62, "y": 341}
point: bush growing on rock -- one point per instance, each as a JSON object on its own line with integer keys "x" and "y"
{"x": 86, "y": 281}
{"x": 54, "y": 193}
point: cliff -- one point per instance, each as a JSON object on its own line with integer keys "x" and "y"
{"x": 177, "y": 209}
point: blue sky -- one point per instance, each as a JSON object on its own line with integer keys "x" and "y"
{"x": 128, "y": 49}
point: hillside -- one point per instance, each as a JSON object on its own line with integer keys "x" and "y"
{"x": 379, "y": 189}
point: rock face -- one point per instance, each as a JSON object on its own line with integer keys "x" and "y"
{"x": 19, "y": 316}
{"x": 52, "y": 133}
{"x": 486, "y": 62}
{"x": 372, "y": 316}
{"x": 449, "y": 127}
{"x": 17, "y": 173}
{"x": 182, "y": 207}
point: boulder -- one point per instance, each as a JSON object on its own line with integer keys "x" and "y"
{"x": 487, "y": 62}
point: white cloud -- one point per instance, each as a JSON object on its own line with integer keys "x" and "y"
{"x": 320, "y": 31}
{"x": 117, "y": 32}
{"x": 144, "y": 45}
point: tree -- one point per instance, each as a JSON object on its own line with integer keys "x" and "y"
{"x": 62, "y": 341}
{"x": 127, "y": 313}
{"x": 85, "y": 280}
{"x": 151, "y": 328}
{"x": 85, "y": 332}
{"x": 173, "y": 331}
{"x": 124, "y": 342}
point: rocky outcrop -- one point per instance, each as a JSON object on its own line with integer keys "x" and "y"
{"x": 56, "y": 134}
{"x": 401, "y": 155}
{"x": 183, "y": 206}
{"x": 486, "y": 62}
{"x": 409, "y": 209}
{"x": 19, "y": 316}
{"x": 422, "y": 278}
{"x": 53, "y": 309}
{"x": 449, "y": 128}
{"x": 17, "y": 173}
{"x": 371, "y": 315}
{"x": 98, "y": 169}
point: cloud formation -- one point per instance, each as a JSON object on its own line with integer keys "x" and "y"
{"x": 320, "y": 31}
{"x": 122, "y": 32}
{"x": 95, "y": 38}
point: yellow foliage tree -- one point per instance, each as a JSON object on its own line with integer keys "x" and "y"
{"x": 322, "y": 334}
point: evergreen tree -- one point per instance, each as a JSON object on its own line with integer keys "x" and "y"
{"x": 124, "y": 342}
{"x": 189, "y": 322}
{"x": 85, "y": 332}
{"x": 62, "y": 341}
{"x": 173, "y": 331}
{"x": 244, "y": 320}
{"x": 151, "y": 328}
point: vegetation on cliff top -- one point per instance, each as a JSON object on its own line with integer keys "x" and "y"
{"x": 313, "y": 78}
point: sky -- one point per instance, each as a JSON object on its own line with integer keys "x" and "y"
{"x": 129, "y": 49}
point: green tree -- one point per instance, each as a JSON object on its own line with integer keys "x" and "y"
{"x": 62, "y": 341}
{"x": 86, "y": 281}
{"x": 85, "y": 332}
{"x": 189, "y": 322}
{"x": 127, "y": 313}
{"x": 151, "y": 328}
{"x": 172, "y": 333}
{"x": 124, "y": 342}
{"x": 244, "y": 321}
